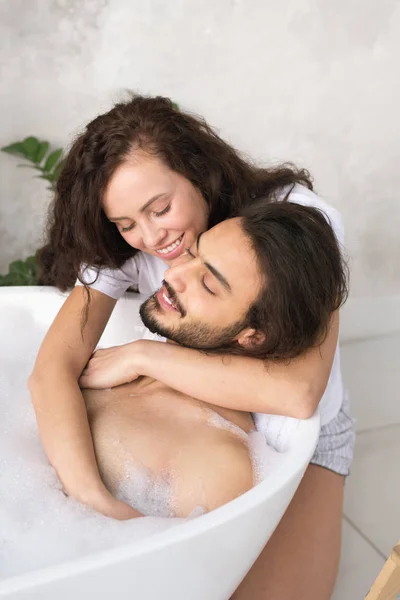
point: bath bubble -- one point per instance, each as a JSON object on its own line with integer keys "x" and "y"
{"x": 264, "y": 457}
{"x": 148, "y": 493}
{"x": 22, "y": 341}
{"x": 217, "y": 420}
{"x": 39, "y": 525}
{"x": 198, "y": 511}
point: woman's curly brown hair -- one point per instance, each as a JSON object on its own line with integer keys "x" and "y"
{"x": 78, "y": 231}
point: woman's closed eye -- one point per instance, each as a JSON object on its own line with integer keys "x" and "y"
{"x": 129, "y": 228}
{"x": 163, "y": 211}
{"x": 157, "y": 214}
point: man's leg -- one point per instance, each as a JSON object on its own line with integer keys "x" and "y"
{"x": 300, "y": 561}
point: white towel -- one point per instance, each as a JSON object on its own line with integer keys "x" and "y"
{"x": 277, "y": 429}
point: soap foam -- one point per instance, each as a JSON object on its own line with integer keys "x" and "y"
{"x": 148, "y": 493}
{"x": 39, "y": 525}
{"x": 218, "y": 420}
{"x": 264, "y": 458}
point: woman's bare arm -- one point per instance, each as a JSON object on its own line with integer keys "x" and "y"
{"x": 293, "y": 388}
{"x": 59, "y": 405}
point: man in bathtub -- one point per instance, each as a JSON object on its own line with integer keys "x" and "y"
{"x": 263, "y": 285}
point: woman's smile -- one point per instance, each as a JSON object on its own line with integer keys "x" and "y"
{"x": 172, "y": 250}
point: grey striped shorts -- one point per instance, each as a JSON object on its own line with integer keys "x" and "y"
{"x": 335, "y": 448}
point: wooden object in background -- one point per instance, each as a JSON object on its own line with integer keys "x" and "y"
{"x": 387, "y": 584}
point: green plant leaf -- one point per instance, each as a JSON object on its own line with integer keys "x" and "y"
{"x": 58, "y": 169}
{"x": 12, "y": 279}
{"x": 30, "y": 278}
{"x": 25, "y": 166}
{"x": 52, "y": 159}
{"x": 16, "y": 148}
{"x": 30, "y": 146}
{"x": 21, "y": 273}
{"x": 18, "y": 266}
{"x": 33, "y": 265}
{"x": 175, "y": 106}
{"x": 7, "y": 280}
{"x": 41, "y": 151}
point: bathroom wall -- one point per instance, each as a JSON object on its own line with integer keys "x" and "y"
{"x": 312, "y": 81}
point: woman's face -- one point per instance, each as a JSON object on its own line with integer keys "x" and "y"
{"x": 154, "y": 208}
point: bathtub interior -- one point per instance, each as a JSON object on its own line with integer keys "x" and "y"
{"x": 25, "y": 314}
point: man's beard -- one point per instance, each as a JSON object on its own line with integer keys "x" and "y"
{"x": 191, "y": 335}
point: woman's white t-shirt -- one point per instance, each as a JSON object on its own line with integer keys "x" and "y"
{"x": 145, "y": 272}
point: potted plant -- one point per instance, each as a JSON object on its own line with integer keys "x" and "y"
{"x": 37, "y": 155}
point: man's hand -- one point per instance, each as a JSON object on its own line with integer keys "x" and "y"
{"x": 112, "y": 366}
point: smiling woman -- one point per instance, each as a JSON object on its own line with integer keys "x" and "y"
{"x": 138, "y": 186}
{"x": 161, "y": 207}
{"x": 139, "y": 152}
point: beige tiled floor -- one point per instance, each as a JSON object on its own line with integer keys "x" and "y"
{"x": 359, "y": 566}
{"x": 371, "y": 369}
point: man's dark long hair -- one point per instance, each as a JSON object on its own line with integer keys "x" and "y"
{"x": 305, "y": 278}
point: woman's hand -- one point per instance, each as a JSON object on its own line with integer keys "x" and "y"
{"x": 116, "y": 509}
{"x": 102, "y": 501}
{"x": 112, "y": 366}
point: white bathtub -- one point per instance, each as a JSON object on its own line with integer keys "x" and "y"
{"x": 203, "y": 559}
